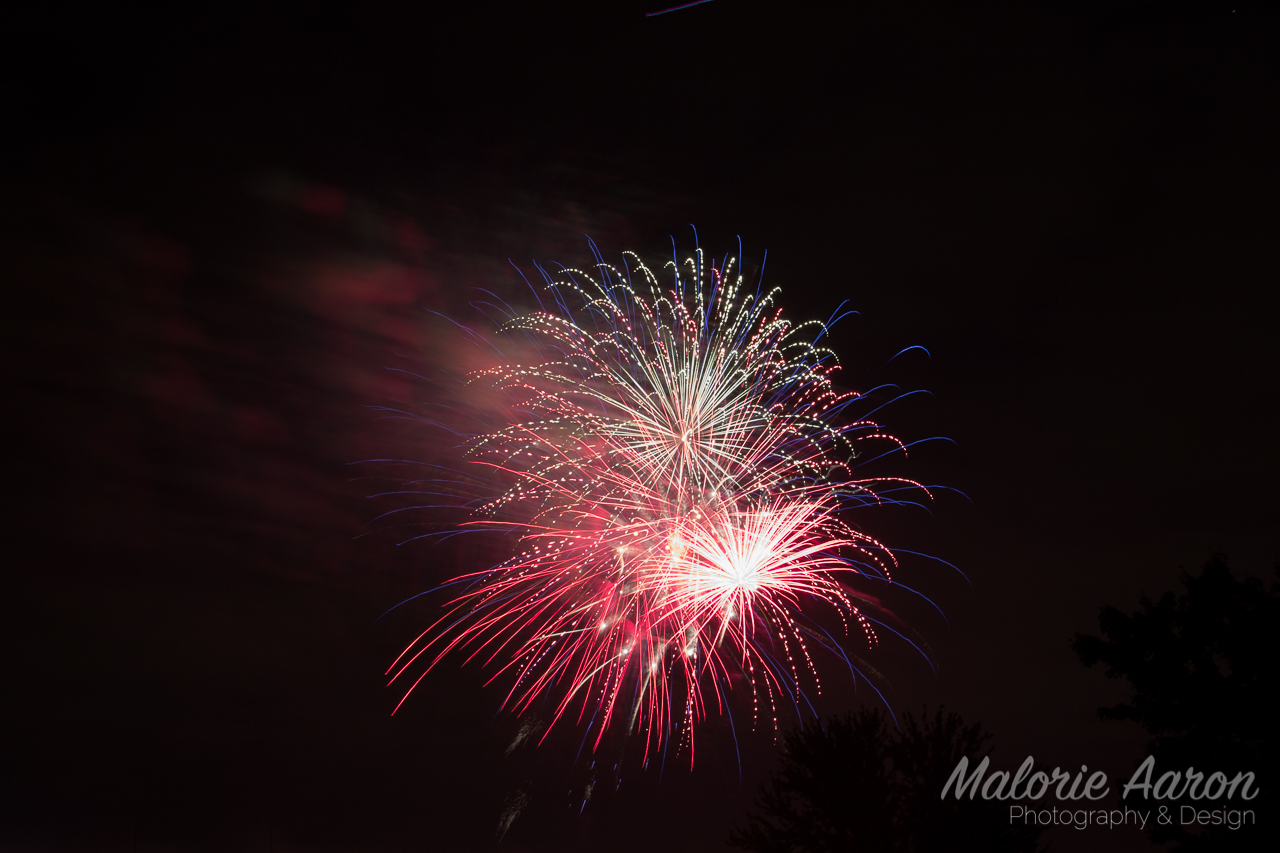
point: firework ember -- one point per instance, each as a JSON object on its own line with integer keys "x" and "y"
{"x": 679, "y": 467}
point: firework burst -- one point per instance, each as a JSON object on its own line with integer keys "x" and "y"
{"x": 678, "y": 464}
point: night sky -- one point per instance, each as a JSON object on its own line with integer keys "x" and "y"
{"x": 224, "y": 235}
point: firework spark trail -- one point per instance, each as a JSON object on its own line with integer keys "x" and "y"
{"x": 675, "y": 463}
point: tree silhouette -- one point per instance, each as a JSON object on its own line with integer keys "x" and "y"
{"x": 855, "y": 784}
{"x": 1204, "y": 671}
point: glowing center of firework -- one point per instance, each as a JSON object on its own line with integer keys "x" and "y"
{"x": 745, "y": 573}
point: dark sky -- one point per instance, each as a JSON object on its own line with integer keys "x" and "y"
{"x": 220, "y": 228}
